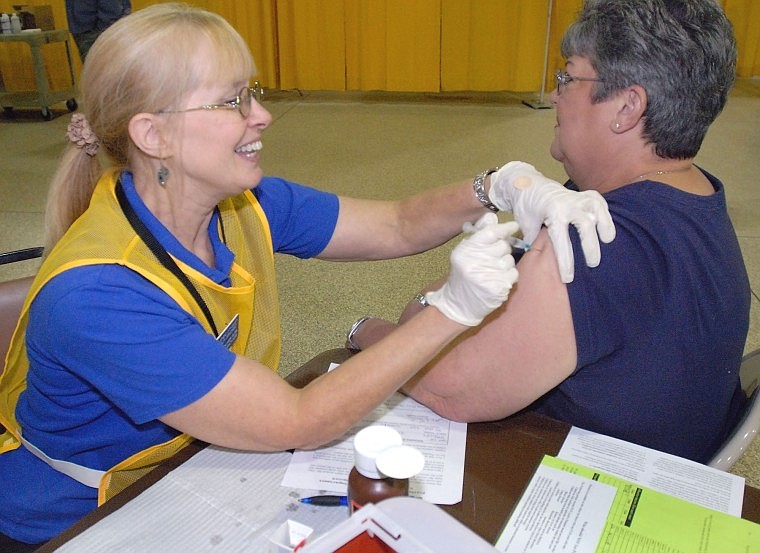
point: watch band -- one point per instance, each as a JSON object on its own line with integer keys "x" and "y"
{"x": 421, "y": 299}
{"x": 480, "y": 191}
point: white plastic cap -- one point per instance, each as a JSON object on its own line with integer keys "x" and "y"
{"x": 368, "y": 443}
{"x": 400, "y": 462}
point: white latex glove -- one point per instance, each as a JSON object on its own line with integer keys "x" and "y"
{"x": 482, "y": 272}
{"x": 536, "y": 200}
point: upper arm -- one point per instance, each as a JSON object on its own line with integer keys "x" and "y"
{"x": 301, "y": 219}
{"x": 365, "y": 230}
{"x": 521, "y": 351}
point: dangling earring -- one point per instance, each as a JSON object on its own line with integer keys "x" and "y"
{"x": 162, "y": 175}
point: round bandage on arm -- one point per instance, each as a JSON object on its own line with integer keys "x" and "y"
{"x": 536, "y": 200}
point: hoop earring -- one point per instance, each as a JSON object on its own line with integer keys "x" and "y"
{"x": 162, "y": 175}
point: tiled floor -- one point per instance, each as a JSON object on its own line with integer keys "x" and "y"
{"x": 382, "y": 146}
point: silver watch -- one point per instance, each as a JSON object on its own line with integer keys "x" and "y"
{"x": 421, "y": 299}
{"x": 480, "y": 191}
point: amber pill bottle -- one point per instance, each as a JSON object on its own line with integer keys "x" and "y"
{"x": 382, "y": 466}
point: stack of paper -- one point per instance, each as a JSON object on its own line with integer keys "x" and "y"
{"x": 573, "y": 507}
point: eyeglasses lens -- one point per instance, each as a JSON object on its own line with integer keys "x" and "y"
{"x": 244, "y": 97}
{"x": 561, "y": 80}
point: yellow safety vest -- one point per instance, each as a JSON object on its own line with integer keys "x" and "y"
{"x": 103, "y": 235}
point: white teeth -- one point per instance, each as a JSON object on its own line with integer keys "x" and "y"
{"x": 250, "y": 148}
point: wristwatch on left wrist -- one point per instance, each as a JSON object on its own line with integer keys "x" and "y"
{"x": 478, "y": 186}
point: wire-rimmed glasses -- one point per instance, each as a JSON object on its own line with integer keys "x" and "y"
{"x": 241, "y": 103}
{"x": 564, "y": 78}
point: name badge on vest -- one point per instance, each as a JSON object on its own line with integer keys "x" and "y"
{"x": 230, "y": 333}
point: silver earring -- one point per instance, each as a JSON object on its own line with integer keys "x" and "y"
{"x": 617, "y": 125}
{"x": 162, "y": 175}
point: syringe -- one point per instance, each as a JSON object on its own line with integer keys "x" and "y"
{"x": 518, "y": 243}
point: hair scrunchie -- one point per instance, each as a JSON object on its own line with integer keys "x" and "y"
{"x": 80, "y": 134}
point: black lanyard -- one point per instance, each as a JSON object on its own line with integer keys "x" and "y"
{"x": 161, "y": 254}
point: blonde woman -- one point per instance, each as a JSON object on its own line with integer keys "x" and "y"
{"x": 154, "y": 320}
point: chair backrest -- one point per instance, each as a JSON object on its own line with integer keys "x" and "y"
{"x": 749, "y": 425}
{"x": 12, "y": 295}
{"x": 20, "y": 255}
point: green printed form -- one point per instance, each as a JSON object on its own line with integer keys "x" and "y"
{"x": 568, "y": 507}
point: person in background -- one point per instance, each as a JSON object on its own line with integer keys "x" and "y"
{"x": 88, "y": 18}
{"x": 154, "y": 317}
{"x": 647, "y": 346}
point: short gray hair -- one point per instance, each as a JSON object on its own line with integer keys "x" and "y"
{"x": 682, "y": 52}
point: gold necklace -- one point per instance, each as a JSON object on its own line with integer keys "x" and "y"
{"x": 658, "y": 173}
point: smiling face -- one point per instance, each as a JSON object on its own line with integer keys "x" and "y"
{"x": 217, "y": 150}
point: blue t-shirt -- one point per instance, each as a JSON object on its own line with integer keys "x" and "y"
{"x": 110, "y": 353}
{"x": 660, "y": 325}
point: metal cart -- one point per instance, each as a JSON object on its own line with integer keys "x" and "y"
{"x": 43, "y": 97}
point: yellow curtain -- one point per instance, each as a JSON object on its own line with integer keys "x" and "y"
{"x": 423, "y": 45}
{"x": 393, "y": 45}
{"x": 254, "y": 19}
{"x": 311, "y": 44}
{"x": 745, "y": 16}
{"x": 492, "y": 44}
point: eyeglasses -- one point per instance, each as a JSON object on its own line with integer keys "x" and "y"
{"x": 564, "y": 78}
{"x": 242, "y": 102}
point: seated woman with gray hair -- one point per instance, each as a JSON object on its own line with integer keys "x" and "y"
{"x": 646, "y": 346}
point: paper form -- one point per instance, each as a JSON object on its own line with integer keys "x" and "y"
{"x": 638, "y": 520}
{"x": 558, "y": 511}
{"x": 440, "y": 440}
{"x": 659, "y": 471}
{"x": 219, "y": 500}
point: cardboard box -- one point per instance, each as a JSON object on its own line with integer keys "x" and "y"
{"x": 36, "y": 17}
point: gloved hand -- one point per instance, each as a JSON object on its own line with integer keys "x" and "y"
{"x": 482, "y": 272}
{"x": 535, "y": 200}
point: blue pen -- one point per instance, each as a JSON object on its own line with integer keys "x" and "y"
{"x": 326, "y": 500}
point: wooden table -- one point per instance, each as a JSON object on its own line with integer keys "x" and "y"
{"x": 500, "y": 460}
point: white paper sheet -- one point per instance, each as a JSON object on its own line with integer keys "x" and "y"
{"x": 653, "y": 469}
{"x": 219, "y": 500}
{"x": 558, "y": 511}
{"x": 442, "y": 442}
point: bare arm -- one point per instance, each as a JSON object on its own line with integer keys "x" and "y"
{"x": 371, "y": 229}
{"x": 522, "y": 350}
{"x": 254, "y": 409}
{"x": 251, "y": 408}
